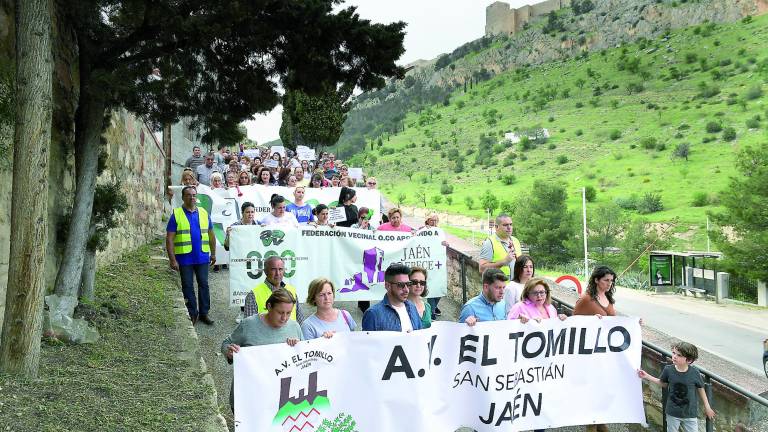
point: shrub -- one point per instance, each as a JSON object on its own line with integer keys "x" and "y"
{"x": 714, "y": 127}
{"x": 614, "y": 135}
{"x": 691, "y": 58}
{"x": 729, "y": 134}
{"x": 754, "y": 122}
{"x": 508, "y": 179}
{"x": 648, "y": 143}
{"x": 579, "y": 105}
{"x": 683, "y": 150}
{"x": 446, "y": 189}
{"x": 509, "y": 159}
{"x": 437, "y": 199}
{"x": 562, "y": 159}
{"x": 470, "y": 202}
{"x": 525, "y": 144}
{"x": 627, "y": 203}
{"x": 700, "y": 199}
{"x": 449, "y": 200}
{"x": 650, "y": 203}
{"x": 754, "y": 92}
{"x": 590, "y": 193}
{"x": 661, "y": 147}
{"x": 708, "y": 91}
{"x": 579, "y": 132}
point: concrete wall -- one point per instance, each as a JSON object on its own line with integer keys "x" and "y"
{"x": 500, "y": 18}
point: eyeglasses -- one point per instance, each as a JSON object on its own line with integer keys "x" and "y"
{"x": 402, "y": 285}
{"x": 372, "y": 183}
{"x": 418, "y": 282}
{"x": 539, "y": 293}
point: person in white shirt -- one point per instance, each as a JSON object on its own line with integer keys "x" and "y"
{"x": 522, "y": 272}
{"x": 278, "y": 216}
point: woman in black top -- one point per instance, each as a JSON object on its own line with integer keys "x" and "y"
{"x": 347, "y": 198}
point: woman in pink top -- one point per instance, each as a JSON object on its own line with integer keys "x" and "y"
{"x": 395, "y": 222}
{"x": 536, "y": 303}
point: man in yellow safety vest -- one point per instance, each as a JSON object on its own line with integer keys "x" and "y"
{"x": 256, "y": 300}
{"x": 500, "y": 250}
{"x": 191, "y": 248}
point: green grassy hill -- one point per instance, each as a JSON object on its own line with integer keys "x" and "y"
{"x": 615, "y": 118}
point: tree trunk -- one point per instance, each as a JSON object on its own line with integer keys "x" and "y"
{"x": 89, "y": 121}
{"x": 89, "y": 275}
{"x": 20, "y": 345}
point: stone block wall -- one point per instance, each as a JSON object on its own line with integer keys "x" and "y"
{"x": 135, "y": 157}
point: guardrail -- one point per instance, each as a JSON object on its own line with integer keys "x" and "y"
{"x": 709, "y": 377}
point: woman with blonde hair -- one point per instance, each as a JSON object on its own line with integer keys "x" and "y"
{"x": 188, "y": 178}
{"x": 327, "y": 319}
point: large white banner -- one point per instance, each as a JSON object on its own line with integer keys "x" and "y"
{"x": 355, "y": 260}
{"x": 496, "y": 376}
{"x": 224, "y": 204}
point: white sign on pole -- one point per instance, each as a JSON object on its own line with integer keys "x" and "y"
{"x": 277, "y": 149}
{"x": 356, "y": 173}
{"x": 305, "y": 153}
{"x": 252, "y": 153}
{"x": 271, "y": 163}
{"x": 495, "y": 376}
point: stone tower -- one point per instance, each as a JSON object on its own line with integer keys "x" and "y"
{"x": 500, "y": 18}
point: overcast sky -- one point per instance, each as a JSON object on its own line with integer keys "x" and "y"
{"x": 433, "y": 27}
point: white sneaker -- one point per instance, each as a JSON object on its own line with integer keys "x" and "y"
{"x": 239, "y": 317}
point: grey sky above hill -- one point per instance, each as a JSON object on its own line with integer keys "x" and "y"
{"x": 434, "y": 27}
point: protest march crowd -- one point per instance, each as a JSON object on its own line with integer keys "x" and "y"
{"x": 273, "y": 314}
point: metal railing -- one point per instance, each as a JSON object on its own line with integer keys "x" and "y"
{"x": 709, "y": 377}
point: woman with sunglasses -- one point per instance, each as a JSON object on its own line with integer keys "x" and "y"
{"x": 418, "y": 293}
{"x": 363, "y": 220}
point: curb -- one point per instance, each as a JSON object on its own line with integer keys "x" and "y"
{"x": 191, "y": 354}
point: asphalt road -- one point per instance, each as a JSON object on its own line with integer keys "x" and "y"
{"x": 733, "y": 332}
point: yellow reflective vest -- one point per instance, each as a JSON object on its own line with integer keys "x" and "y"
{"x": 182, "y": 243}
{"x": 262, "y": 292}
{"x": 499, "y": 252}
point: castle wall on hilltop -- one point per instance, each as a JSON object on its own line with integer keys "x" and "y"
{"x": 500, "y": 18}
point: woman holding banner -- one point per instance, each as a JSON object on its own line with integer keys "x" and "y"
{"x": 535, "y": 303}
{"x": 363, "y": 220}
{"x": 278, "y": 216}
{"x": 418, "y": 292}
{"x": 273, "y": 327}
{"x": 265, "y": 177}
{"x": 395, "y": 222}
{"x": 321, "y": 213}
{"x": 598, "y": 300}
{"x": 244, "y": 179}
{"x": 327, "y": 319}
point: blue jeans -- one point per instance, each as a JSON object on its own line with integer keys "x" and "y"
{"x": 203, "y": 299}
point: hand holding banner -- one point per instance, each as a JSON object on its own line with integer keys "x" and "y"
{"x": 496, "y": 376}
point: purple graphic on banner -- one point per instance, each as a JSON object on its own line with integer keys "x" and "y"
{"x": 372, "y": 262}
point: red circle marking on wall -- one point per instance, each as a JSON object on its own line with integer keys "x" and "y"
{"x": 573, "y": 279}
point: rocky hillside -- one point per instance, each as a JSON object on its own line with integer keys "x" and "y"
{"x": 565, "y": 35}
